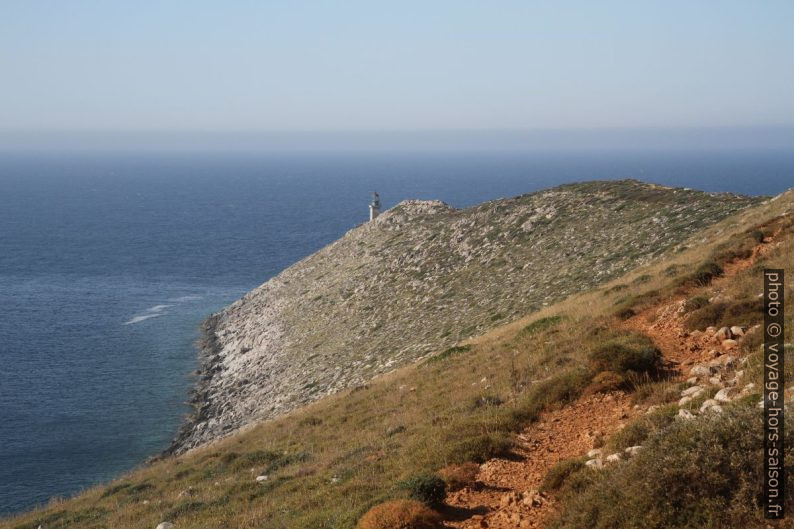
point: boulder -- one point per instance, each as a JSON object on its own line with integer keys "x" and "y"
{"x": 165, "y": 525}
{"x": 690, "y": 392}
{"x": 260, "y": 479}
{"x": 737, "y": 331}
{"x": 711, "y": 405}
{"x": 723, "y": 334}
{"x": 533, "y": 498}
{"x": 728, "y": 361}
{"x": 595, "y": 464}
{"x": 510, "y": 498}
{"x": 729, "y": 344}
{"x": 633, "y": 450}
{"x": 685, "y": 414}
{"x": 684, "y": 401}
{"x": 595, "y": 452}
{"x": 701, "y": 371}
{"x": 613, "y": 458}
{"x": 725, "y": 395}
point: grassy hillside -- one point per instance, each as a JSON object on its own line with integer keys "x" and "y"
{"x": 422, "y": 277}
{"x": 328, "y": 463}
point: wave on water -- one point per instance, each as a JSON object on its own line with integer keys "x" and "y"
{"x": 159, "y": 310}
{"x": 143, "y": 317}
{"x": 152, "y": 312}
{"x": 182, "y": 299}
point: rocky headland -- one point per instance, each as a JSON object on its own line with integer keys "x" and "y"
{"x": 422, "y": 277}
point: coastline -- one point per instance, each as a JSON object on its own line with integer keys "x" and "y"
{"x": 208, "y": 352}
{"x": 321, "y": 325}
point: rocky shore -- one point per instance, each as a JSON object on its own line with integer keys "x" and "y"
{"x": 422, "y": 277}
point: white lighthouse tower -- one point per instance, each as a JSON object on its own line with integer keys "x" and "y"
{"x": 374, "y": 206}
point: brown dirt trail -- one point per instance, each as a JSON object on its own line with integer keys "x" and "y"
{"x": 505, "y": 490}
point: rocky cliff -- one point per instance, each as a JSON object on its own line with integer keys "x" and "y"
{"x": 420, "y": 278}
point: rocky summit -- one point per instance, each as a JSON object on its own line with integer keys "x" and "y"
{"x": 420, "y": 278}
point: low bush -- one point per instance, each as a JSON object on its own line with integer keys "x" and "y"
{"x": 430, "y": 489}
{"x": 705, "y": 273}
{"x": 616, "y": 288}
{"x": 559, "y": 473}
{"x": 727, "y": 313}
{"x": 696, "y": 302}
{"x": 702, "y": 473}
{"x": 539, "y": 325}
{"x": 625, "y": 313}
{"x": 484, "y": 401}
{"x": 460, "y": 476}
{"x": 702, "y": 276}
{"x": 627, "y": 354}
{"x": 480, "y": 448}
{"x": 557, "y": 390}
{"x": 400, "y": 514}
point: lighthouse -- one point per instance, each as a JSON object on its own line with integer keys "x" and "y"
{"x": 374, "y": 206}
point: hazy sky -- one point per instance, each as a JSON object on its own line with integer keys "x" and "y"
{"x": 262, "y": 65}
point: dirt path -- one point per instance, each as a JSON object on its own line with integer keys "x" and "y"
{"x": 506, "y": 494}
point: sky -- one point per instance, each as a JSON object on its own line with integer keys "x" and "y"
{"x": 236, "y": 67}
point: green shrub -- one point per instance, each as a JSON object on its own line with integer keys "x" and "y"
{"x": 705, "y": 473}
{"x": 484, "y": 401}
{"x": 757, "y": 235}
{"x": 430, "y": 489}
{"x": 539, "y": 325}
{"x": 705, "y": 273}
{"x": 637, "y": 432}
{"x": 746, "y": 311}
{"x": 625, "y": 313}
{"x": 615, "y": 288}
{"x": 557, "y": 475}
{"x": 480, "y": 448}
{"x": 560, "y": 389}
{"x": 696, "y": 302}
{"x": 626, "y": 354}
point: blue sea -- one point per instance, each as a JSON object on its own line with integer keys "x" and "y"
{"x": 109, "y": 262}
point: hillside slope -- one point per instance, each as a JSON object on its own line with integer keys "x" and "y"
{"x": 421, "y": 277}
{"x": 517, "y": 399}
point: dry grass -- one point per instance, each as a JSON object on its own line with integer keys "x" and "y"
{"x": 459, "y": 476}
{"x": 400, "y": 514}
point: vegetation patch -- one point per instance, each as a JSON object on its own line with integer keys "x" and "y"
{"x": 539, "y": 325}
{"x": 460, "y": 476}
{"x": 699, "y": 473}
{"x": 400, "y": 514}
{"x": 747, "y": 312}
{"x": 627, "y": 354}
{"x": 559, "y": 473}
{"x": 430, "y": 489}
{"x": 480, "y": 448}
{"x": 695, "y": 303}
